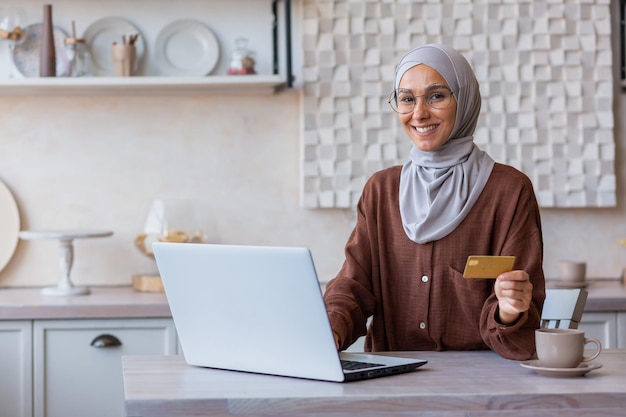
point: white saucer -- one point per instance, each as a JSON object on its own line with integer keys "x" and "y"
{"x": 569, "y": 285}
{"x": 581, "y": 370}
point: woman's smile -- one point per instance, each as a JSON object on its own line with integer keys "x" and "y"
{"x": 425, "y": 129}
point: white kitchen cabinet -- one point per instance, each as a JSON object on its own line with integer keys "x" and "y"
{"x": 603, "y": 326}
{"x": 15, "y": 368}
{"x": 77, "y": 363}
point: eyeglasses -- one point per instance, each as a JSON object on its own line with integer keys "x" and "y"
{"x": 403, "y": 101}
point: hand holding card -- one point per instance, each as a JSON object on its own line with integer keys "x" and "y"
{"x": 487, "y": 266}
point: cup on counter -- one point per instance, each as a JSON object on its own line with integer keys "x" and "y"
{"x": 564, "y": 348}
{"x": 123, "y": 59}
{"x": 572, "y": 271}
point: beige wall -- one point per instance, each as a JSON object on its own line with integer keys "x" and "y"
{"x": 96, "y": 162}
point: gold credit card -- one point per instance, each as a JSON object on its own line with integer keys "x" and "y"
{"x": 487, "y": 266}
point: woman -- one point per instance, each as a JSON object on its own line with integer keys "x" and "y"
{"x": 418, "y": 223}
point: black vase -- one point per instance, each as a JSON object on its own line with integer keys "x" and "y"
{"x": 47, "y": 58}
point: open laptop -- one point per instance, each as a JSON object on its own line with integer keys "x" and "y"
{"x": 258, "y": 309}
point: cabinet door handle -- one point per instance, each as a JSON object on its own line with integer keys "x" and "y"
{"x": 106, "y": 340}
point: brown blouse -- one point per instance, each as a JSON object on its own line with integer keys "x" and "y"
{"x": 416, "y": 294}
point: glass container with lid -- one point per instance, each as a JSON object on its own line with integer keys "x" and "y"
{"x": 78, "y": 56}
{"x": 242, "y": 59}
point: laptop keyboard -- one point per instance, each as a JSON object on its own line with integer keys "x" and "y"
{"x": 354, "y": 365}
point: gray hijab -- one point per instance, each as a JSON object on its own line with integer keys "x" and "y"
{"x": 439, "y": 188}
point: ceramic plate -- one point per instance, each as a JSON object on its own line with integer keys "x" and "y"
{"x": 100, "y": 36}
{"x": 9, "y": 225}
{"x": 186, "y": 48}
{"x": 26, "y": 54}
{"x": 581, "y": 370}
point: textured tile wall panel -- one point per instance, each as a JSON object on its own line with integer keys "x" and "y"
{"x": 545, "y": 70}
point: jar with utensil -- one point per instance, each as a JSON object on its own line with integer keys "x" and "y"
{"x": 124, "y": 56}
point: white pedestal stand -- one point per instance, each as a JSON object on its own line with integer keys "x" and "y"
{"x": 66, "y": 256}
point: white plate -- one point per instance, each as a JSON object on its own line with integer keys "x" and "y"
{"x": 580, "y": 370}
{"x": 26, "y": 54}
{"x": 9, "y": 225}
{"x": 100, "y": 36}
{"x": 186, "y": 48}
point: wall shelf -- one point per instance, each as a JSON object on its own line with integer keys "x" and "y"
{"x": 144, "y": 85}
{"x": 274, "y": 66}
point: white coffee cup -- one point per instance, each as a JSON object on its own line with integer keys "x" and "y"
{"x": 572, "y": 271}
{"x": 564, "y": 348}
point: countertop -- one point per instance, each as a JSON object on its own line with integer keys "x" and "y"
{"x": 123, "y": 301}
{"x": 476, "y": 383}
{"x": 604, "y": 295}
{"x": 102, "y": 302}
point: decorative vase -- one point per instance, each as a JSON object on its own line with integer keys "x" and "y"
{"x": 47, "y": 58}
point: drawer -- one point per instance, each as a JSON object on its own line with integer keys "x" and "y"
{"x": 77, "y": 363}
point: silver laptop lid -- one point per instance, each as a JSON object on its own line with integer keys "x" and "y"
{"x": 249, "y": 308}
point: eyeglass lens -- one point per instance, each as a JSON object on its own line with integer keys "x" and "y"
{"x": 403, "y": 101}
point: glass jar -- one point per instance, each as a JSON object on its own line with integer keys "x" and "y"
{"x": 79, "y": 57}
{"x": 242, "y": 60}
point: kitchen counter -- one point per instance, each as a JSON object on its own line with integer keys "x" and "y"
{"x": 103, "y": 302}
{"x": 604, "y": 295}
{"x": 123, "y": 301}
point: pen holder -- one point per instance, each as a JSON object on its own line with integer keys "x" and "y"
{"x": 123, "y": 59}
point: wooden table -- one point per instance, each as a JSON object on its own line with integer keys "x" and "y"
{"x": 452, "y": 384}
